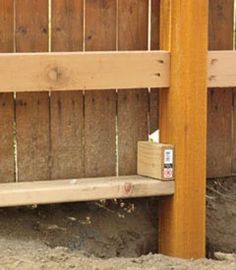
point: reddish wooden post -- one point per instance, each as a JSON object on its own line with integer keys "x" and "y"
{"x": 184, "y": 25}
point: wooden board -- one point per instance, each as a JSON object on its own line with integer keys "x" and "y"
{"x": 132, "y": 105}
{"x": 100, "y": 107}
{"x": 66, "y": 108}
{"x": 86, "y": 71}
{"x": 85, "y": 189}
{"x": 219, "y": 143}
{"x": 32, "y": 110}
{"x": 154, "y": 110}
{"x": 96, "y": 70}
{"x": 155, "y": 24}
{"x": 155, "y": 45}
{"x": 156, "y": 160}
{"x": 66, "y": 135}
{"x": 222, "y": 69}
{"x": 67, "y": 25}
{"x": 6, "y": 100}
{"x": 183, "y": 124}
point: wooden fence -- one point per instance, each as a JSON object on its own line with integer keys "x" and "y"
{"x": 74, "y": 134}
{"x": 42, "y": 136}
{"x": 51, "y": 135}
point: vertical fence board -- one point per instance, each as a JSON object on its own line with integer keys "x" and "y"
{"x": 67, "y": 25}
{"x": 132, "y": 105}
{"x": 154, "y": 93}
{"x": 66, "y": 110}
{"x": 155, "y": 25}
{"x": 100, "y": 106}
{"x": 6, "y": 100}
{"x": 32, "y": 109}
{"x": 219, "y": 147}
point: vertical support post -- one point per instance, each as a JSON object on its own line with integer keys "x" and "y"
{"x": 183, "y": 115}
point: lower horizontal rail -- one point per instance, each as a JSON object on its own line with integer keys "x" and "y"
{"x": 85, "y": 189}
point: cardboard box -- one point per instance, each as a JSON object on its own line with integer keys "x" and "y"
{"x": 156, "y": 160}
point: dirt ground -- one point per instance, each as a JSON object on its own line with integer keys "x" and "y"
{"x": 99, "y": 235}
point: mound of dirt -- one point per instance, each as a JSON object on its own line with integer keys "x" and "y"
{"x": 221, "y": 215}
{"x": 83, "y": 235}
{"x": 104, "y": 229}
{"x": 35, "y": 256}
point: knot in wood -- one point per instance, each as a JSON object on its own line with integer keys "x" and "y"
{"x": 128, "y": 188}
{"x": 54, "y": 74}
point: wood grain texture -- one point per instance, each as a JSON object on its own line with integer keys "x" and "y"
{"x": 87, "y": 71}
{"x": 85, "y": 189}
{"x": 183, "y": 124}
{"x": 221, "y": 69}
{"x": 154, "y": 110}
{"x": 66, "y": 111}
{"x": 67, "y": 25}
{"x": 152, "y": 158}
{"x": 6, "y": 100}
{"x": 32, "y": 110}
{"x": 219, "y": 137}
{"x": 155, "y": 24}
{"x": 66, "y": 135}
{"x": 132, "y": 105}
{"x": 6, "y": 25}
{"x": 7, "y": 173}
{"x": 100, "y": 106}
{"x": 155, "y": 45}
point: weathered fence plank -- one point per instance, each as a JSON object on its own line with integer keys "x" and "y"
{"x": 219, "y": 144}
{"x": 6, "y": 100}
{"x": 155, "y": 45}
{"x": 66, "y": 125}
{"x": 32, "y": 109}
{"x": 132, "y": 105}
{"x": 100, "y": 107}
{"x": 67, "y": 25}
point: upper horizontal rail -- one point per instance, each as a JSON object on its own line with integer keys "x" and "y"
{"x": 222, "y": 69}
{"x": 22, "y": 72}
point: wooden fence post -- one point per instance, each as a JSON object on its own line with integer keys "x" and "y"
{"x": 183, "y": 114}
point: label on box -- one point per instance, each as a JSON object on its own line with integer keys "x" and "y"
{"x": 168, "y": 156}
{"x": 168, "y": 163}
{"x": 168, "y": 171}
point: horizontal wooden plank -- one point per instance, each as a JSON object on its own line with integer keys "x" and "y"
{"x": 86, "y": 189}
{"x": 222, "y": 69}
{"x": 23, "y": 72}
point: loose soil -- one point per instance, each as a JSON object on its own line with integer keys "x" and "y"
{"x": 99, "y": 235}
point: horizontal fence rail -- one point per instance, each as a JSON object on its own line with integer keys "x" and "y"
{"x": 23, "y": 72}
{"x": 84, "y": 189}
{"x": 222, "y": 69}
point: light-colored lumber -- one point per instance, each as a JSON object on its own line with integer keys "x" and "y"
{"x": 183, "y": 118}
{"x": 222, "y": 69}
{"x": 156, "y": 160}
{"x": 86, "y": 189}
{"x": 83, "y": 71}
{"x": 25, "y": 72}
